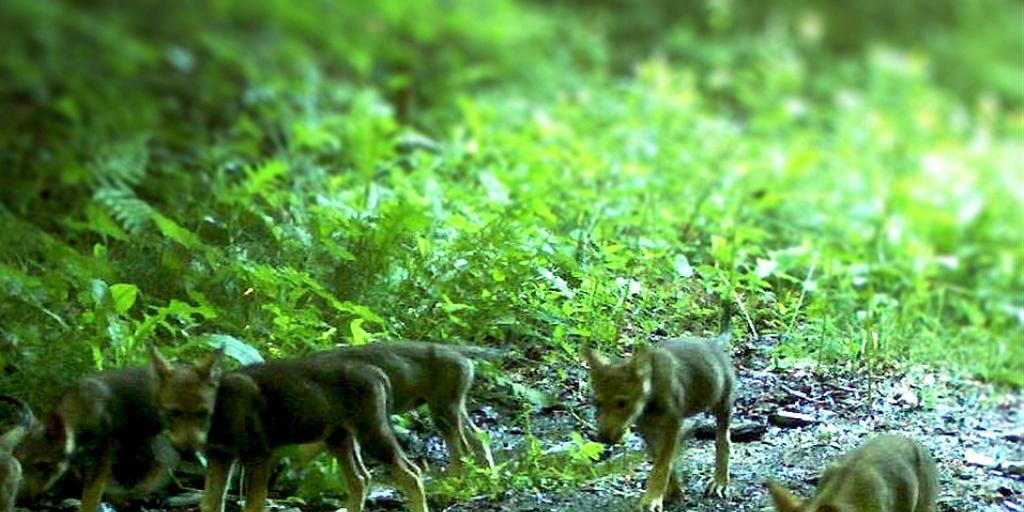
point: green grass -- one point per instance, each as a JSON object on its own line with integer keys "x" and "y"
{"x": 277, "y": 177}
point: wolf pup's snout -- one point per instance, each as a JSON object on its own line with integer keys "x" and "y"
{"x": 186, "y": 397}
{"x": 187, "y": 440}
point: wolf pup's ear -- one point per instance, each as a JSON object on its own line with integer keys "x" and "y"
{"x": 209, "y": 369}
{"x": 784, "y": 500}
{"x": 161, "y": 366}
{"x": 641, "y": 362}
{"x": 594, "y": 358}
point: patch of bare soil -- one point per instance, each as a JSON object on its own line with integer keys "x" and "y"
{"x": 796, "y": 420}
{"x": 973, "y": 431}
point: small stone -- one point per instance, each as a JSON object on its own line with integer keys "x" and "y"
{"x": 979, "y": 459}
{"x": 789, "y": 419}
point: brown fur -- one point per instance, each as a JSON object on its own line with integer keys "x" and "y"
{"x": 106, "y": 430}
{"x": 889, "y": 473}
{"x": 657, "y": 389}
{"x": 260, "y": 409}
{"x": 433, "y": 374}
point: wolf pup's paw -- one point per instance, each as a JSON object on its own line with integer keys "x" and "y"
{"x": 717, "y": 489}
{"x": 651, "y": 504}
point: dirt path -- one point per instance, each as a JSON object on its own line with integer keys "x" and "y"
{"x": 970, "y": 428}
{"x": 958, "y": 421}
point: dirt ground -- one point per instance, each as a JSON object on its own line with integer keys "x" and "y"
{"x": 974, "y": 432}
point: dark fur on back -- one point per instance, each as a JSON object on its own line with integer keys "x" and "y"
{"x": 313, "y": 400}
{"x": 106, "y": 430}
{"x": 432, "y": 374}
{"x": 286, "y": 402}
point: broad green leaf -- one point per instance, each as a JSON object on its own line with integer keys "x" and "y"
{"x": 123, "y": 296}
{"x": 359, "y": 335}
{"x": 175, "y": 232}
{"x": 682, "y": 266}
{"x": 101, "y": 222}
{"x": 234, "y": 348}
{"x": 99, "y": 292}
{"x": 361, "y": 311}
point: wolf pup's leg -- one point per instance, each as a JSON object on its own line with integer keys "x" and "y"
{"x": 218, "y": 474}
{"x": 467, "y": 430}
{"x": 652, "y": 439}
{"x": 257, "y": 477}
{"x": 473, "y": 434}
{"x": 723, "y": 446}
{"x": 447, "y": 419}
{"x": 928, "y": 481}
{"x": 373, "y": 432}
{"x": 448, "y": 410}
{"x": 383, "y": 446}
{"x": 662, "y": 438}
{"x": 460, "y": 434}
{"x": 94, "y": 477}
{"x": 357, "y": 478}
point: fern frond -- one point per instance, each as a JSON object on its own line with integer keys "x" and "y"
{"x": 122, "y": 164}
{"x": 131, "y": 212}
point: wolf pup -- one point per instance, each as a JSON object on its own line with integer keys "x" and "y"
{"x": 889, "y": 473}
{"x": 436, "y": 375}
{"x": 259, "y": 409}
{"x": 10, "y": 467}
{"x": 106, "y": 430}
{"x": 657, "y": 389}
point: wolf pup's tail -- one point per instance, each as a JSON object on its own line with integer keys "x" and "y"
{"x": 474, "y": 352}
{"x": 725, "y": 323}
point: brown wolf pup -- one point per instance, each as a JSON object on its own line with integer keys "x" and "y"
{"x": 657, "y": 389}
{"x": 436, "y": 375}
{"x": 889, "y": 473}
{"x": 10, "y": 467}
{"x": 105, "y": 429}
{"x": 259, "y": 409}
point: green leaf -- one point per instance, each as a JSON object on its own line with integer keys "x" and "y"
{"x": 261, "y": 178}
{"x": 585, "y": 449}
{"x": 123, "y": 296}
{"x": 359, "y": 335}
{"x": 538, "y": 398}
{"x": 359, "y": 310}
{"x": 234, "y": 348}
{"x": 99, "y": 291}
{"x": 101, "y": 222}
{"x": 682, "y": 266}
{"x": 175, "y": 232}
{"x": 496, "y": 190}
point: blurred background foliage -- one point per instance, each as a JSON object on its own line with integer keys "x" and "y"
{"x": 292, "y": 175}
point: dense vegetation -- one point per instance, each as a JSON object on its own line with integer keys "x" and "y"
{"x": 525, "y": 174}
